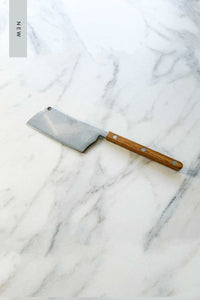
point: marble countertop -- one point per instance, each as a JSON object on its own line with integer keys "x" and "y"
{"x": 107, "y": 223}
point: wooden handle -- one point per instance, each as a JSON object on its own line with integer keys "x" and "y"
{"x": 144, "y": 151}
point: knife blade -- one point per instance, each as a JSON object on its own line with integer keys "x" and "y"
{"x": 79, "y": 135}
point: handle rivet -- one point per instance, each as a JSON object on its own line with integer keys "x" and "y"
{"x": 114, "y": 137}
{"x": 174, "y": 162}
{"x": 143, "y": 149}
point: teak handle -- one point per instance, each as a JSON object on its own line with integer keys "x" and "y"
{"x": 144, "y": 151}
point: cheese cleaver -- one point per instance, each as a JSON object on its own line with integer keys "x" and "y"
{"x": 79, "y": 135}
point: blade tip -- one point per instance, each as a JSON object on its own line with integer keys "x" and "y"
{"x": 28, "y": 122}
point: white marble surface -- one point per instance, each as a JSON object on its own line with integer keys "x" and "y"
{"x": 107, "y": 223}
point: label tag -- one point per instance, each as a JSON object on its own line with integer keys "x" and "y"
{"x": 17, "y": 28}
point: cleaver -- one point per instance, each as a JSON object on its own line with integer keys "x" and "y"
{"x": 79, "y": 136}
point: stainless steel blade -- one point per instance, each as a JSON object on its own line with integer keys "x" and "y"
{"x": 65, "y": 129}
